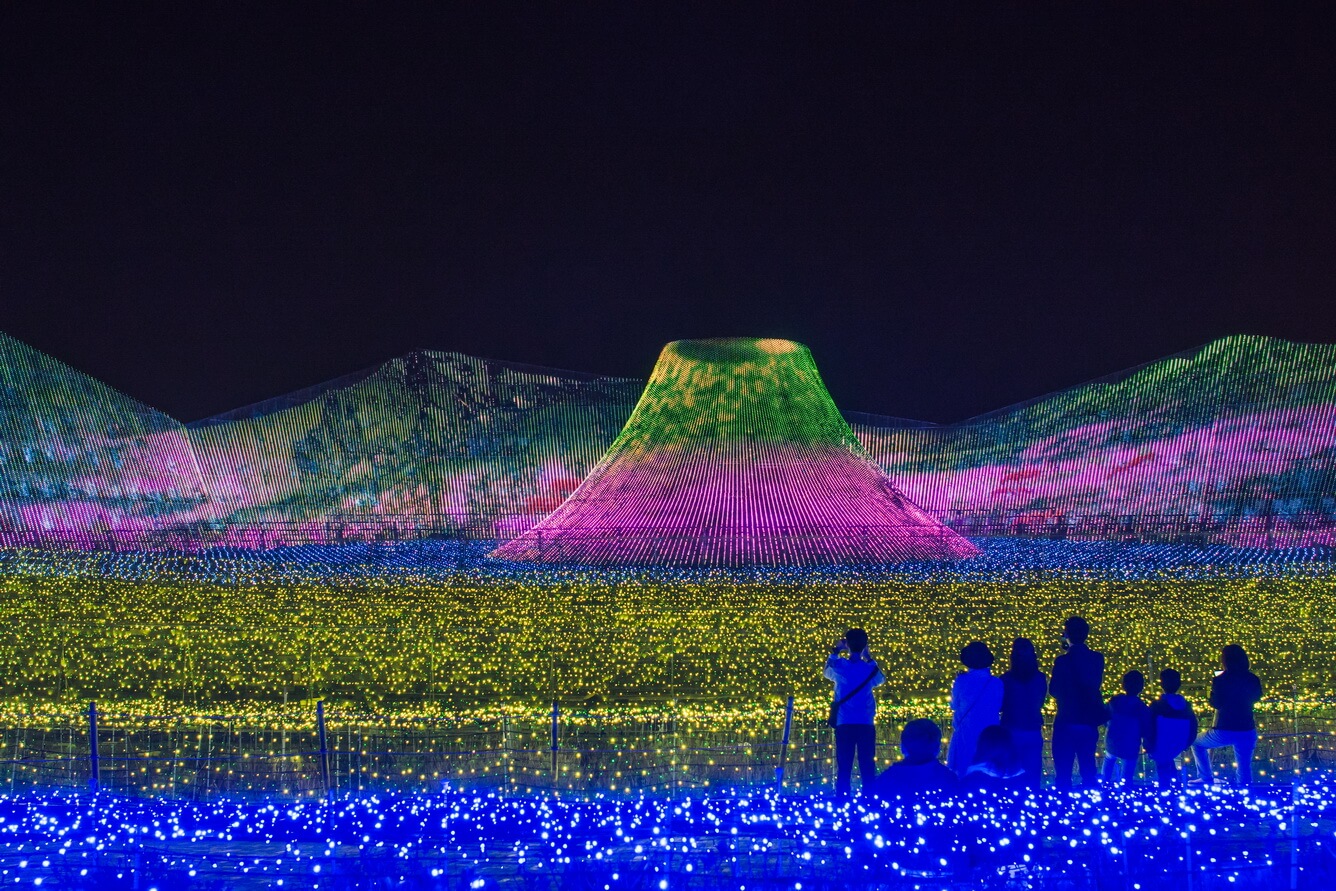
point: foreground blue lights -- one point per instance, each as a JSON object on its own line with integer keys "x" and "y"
{"x": 1139, "y": 838}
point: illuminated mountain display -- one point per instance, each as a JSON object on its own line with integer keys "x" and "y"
{"x": 736, "y": 455}
{"x": 1234, "y": 442}
{"x": 77, "y": 456}
{"x": 432, "y": 443}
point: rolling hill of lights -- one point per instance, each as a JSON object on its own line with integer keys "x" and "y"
{"x": 1232, "y": 443}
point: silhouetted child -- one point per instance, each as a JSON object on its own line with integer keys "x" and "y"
{"x": 1171, "y": 729}
{"x": 996, "y": 767}
{"x": 1128, "y": 720}
{"x": 919, "y": 771}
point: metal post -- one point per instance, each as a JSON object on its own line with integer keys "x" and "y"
{"x": 1294, "y": 835}
{"x": 505, "y": 753}
{"x": 1297, "y": 767}
{"x": 1191, "y": 877}
{"x": 555, "y": 714}
{"x": 324, "y": 747}
{"x": 784, "y": 744}
{"x": 94, "y": 771}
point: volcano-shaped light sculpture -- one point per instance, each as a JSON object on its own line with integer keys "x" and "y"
{"x": 736, "y": 456}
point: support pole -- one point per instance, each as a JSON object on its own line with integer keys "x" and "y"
{"x": 324, "y": 745}
{"x": 1294, "y": 835}
{"x": 94, "y": 769}
{"x": 1296, "y": 769}
{"x": 784, "y": 745}
{"x": 1191, "y": 877}
{"x": 555, "y": 715}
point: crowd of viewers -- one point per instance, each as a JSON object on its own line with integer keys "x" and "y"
{"x": 997, "y": 738}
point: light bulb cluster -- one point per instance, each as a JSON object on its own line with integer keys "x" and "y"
{"x": 735, "y": 839}
{"x": 199, "y": 635}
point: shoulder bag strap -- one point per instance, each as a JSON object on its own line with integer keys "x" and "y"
{"x": 856, "y": 690}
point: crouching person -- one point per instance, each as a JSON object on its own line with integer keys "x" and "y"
{"x": 920, "y": 769}
{"x": 997, "y": 766}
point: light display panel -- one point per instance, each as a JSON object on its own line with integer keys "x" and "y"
{"x": 1232, "y": 443}
{"x": 79, "y": 460}
{"x": 736, "y": 455}
{"x": 433, "y": 443}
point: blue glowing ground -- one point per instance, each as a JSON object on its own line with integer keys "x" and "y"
{"x": 1116, "y": 839}
{"x": 1001, "y": 558}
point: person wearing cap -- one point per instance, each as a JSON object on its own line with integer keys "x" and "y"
{"x": 1078, "y": 675}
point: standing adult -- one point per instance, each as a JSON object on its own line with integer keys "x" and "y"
{"x": 854, "y": 710}
{"x": 976, "y": 698}
{"x": 1234, "y": 692}
{"x": 1078, "y": 675}
{"x": 1024, "y": 689}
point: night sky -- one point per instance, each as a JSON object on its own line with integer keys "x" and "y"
{"x": 957, "y": 207}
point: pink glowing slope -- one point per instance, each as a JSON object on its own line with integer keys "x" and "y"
{"x": 736, "y": 455}
{"x": 793, "y": 506}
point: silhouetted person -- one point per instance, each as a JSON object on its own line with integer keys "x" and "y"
{"x": 1234, "y": 692}
{"x": 854, "y": 709}
{"x": 1171, "y": 729}
{"x": 996, "y": 767}
{"x": 918, "y": 771}
{"x": 1078, "y": 675}
{"x": 1024, "y": 689}
{"x": 1128, "y": 718}
{"x": 976, "y": 699}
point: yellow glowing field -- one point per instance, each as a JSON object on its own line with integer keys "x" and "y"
{"x": 486, "y": 645}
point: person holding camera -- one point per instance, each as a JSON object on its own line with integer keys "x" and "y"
{"x": 1234, "y": 692}
{"x": 854, "y": 710}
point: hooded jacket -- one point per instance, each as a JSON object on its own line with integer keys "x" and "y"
{"x": 1128, "y": 719}
{"x": 1172, "y": 727}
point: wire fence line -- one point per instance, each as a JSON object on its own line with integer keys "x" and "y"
{"x": 206, "y": 756}
{"x": 1271, "y": 530}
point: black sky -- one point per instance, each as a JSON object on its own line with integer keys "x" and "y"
{"x": 956, "y": 206}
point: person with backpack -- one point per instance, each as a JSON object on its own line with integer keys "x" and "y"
{"x": 1078, "y": 675}
{"x": 976, "y": 700}
{"x": 1234, "y": 692}
{"x": 1170, "y": 729}
{"x": 854, "y": 709}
